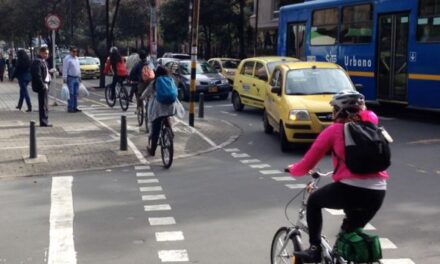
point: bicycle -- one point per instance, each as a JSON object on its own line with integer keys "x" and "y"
{"x": 287, "y": 240}
{"x": 121, "y": 93}
{"x": 166, "y": 142}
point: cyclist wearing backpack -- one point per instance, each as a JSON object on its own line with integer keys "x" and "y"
{"x": 162, "y": 93}
{"x": 359, "y": 195}
{"x": 141, "y": 75}
{"x": 115, "y": 64}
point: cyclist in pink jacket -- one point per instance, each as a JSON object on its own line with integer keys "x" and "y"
{"x": 360, "y": 196}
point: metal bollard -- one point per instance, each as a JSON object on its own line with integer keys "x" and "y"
{"x": 32, "y": 141}
{"x": 123, "y": 145}
{"x": 201, "y": 105}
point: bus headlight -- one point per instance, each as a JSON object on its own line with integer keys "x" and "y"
{"x": 299, "y": 115}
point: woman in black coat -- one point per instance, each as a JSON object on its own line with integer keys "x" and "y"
{"x": 23, "y": 73}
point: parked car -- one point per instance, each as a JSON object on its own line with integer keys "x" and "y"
{"x": 225, "y": 66}
{"x": 208, "y": 80}
{"x": 89, "y": 67}
{"x": 297, "y": 105}
{"x": 163, "y": 61}
{"x": 252, "y": 79}
{"x": 179, "y": 56}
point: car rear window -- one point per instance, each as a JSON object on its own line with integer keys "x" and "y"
{"x": 271, "y": 65}
{"x": 316, "y": 81}
{"x": 230, "y": 64}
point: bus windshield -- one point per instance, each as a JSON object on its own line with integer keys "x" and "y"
{"x": 316, "y": 81}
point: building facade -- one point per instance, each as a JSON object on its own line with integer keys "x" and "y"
{"x": 265, "y": 21}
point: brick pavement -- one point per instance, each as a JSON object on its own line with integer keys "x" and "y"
{"x": 77, "y": 142}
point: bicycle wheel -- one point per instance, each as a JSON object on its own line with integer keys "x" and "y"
{"x": 123, "y": 98}
{"x": 140, "y": 114}
{"x": 111, "y": 100}
{"x": 167, "y": 146}
{"x": 283, "y": 247}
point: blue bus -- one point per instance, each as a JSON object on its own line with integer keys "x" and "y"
{"x": 390, "y": 48}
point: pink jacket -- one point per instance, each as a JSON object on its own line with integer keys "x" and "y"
{"x": 332, "y": 138}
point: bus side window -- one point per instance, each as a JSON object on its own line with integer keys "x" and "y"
{"x": 356, "y": 24}
{"x": 324, "y": 27}
{"x": 428, "y": 22}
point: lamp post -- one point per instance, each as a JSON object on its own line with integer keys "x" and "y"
{"x": 194, "y": 42}
{"x": 153, "y": 29}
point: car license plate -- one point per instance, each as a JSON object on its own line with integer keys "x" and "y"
{"x": 213, "y": 89}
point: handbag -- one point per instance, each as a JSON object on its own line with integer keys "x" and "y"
{"x": 359, "y": 246}
{"x": 82, "y": 91}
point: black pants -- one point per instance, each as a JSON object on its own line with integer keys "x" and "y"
{"x": 155, "y": 133}
{"x": 359, "y": 204}
{"x": 42, "y": 107}
{"x": 116, "y": 79}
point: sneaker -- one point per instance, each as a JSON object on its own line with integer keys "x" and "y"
{"x": 311, "y": 255}
{"x": 77, "y": 110}
{"x": 149, "y": 151}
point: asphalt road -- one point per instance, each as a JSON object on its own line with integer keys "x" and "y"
{"x": 219, "y": 207}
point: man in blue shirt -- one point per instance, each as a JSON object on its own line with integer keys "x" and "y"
{"x": 72, "y": 76}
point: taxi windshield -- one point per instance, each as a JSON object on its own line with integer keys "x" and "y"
{"x": 201, "y": 67}
{"x": 316, "y": 81}
{"x": 87, "y": 61}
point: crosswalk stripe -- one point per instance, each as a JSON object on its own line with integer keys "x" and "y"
{"x": 239, "y": 155}
{"x": 335, "y": 212}
{"x": 151, "y": 189}
{"x": 155, "y": 221}
{"x": 369, "y": 227}
{"x": 153, "y": 197}
{"x": 397, "y": 261}
{"x": 144, "y": 174}
{"x": 259, "y": 166}
{"x": 385, "y": 243}
{"x": 250, "y": 161}
{"x": 142, "y": 168}
{"x": 144, "y": 181}
{"x": 232, "y": 150}
{"x": 169, "y": 236}
{"x": 284, "y": 178}
{"x": 179, "y": 255}
{"x": 296, "y": 186}
{"x": 157, "y": 207}
{"x": 271, "y": 172}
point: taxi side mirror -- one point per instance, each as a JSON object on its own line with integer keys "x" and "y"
{"x": 276, "y": 90}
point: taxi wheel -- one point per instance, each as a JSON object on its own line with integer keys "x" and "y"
{"x": 268, "y": 129}
{"x": 285, "y": 145}
{"x": 236, "y": 102}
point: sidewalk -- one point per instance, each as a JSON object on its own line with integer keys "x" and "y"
{"x": 78, "y": 142}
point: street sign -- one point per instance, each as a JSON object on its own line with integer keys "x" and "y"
{"x": 53, "y": 22}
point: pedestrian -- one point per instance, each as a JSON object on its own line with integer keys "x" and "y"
{"x": 2, "y": 67}
{"x": 23, "y": 73}
{"x": 136, "y": 76}
{"x": 116, "y": 64}
{"x": 72, "y": 77}
{"x": 40, "y": 84}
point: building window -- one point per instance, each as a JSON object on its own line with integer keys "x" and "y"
{"x": 324, "y": 27}
{"x": 428, "y": 22}
{"x": 356, "y": 24}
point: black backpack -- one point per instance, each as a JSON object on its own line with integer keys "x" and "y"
{"x": 367, "y": 147}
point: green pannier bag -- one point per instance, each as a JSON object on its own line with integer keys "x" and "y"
{"x": 359, "y": 246}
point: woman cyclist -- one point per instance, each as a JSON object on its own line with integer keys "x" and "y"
{"x": 360, "y": 196}
{"x": 116, "y": 64}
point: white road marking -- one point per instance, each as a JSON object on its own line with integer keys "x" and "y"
{"x": 259, "y": 166}
{"x": 385, "y": 243}
{"x": 369, "y": 227}
{"x": 173, "y": 255}
{"x": 250, "y": 161}
{"x": 169, "y": 236}
{"x": 397, "y": 261}
{"x": 284, "y": 178}
{"x": 61, "y": 244}
{"x": 142, "y": 167}
{"x": 155, "y": 221}
{"x": 335, "y": 212}
{"x": 271, "y": 172}
{"x": 148, "y": 181}
{"x": 144, "y": 174}
{"x": 151, "y": 189}
{"x": 157, "y": 207}
{"x": 296, "y": 186}
{"x": 113, "y": 118}
{"x": 232, "y": 150}
{"x": 153, "y": 197}
{"x": 209, "y": 141}
{"x": 239, "y": 155}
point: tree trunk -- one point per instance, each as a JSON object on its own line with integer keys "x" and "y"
{"x": 242, "y": 53}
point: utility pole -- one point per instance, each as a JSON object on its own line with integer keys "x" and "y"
{"x": 194, "y": 42}
{"x": 153, "y": 29}
{"x": 257, "y": 7}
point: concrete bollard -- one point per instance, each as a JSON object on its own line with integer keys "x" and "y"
{"x": 32, "y": 141}
{"x": 201, "y": 105}
{"x": 123, "y": 145}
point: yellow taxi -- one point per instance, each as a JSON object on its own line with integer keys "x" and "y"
{"x": 251, "y": 80}
{"x": 89, "y": 67}
{"x": 297, "y": 103}
{"x": 225, "y": 66}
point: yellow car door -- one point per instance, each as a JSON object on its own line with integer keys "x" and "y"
{"x": 259, "y": 84}
{"x": 245, "y": 82}
{"x": 274, "y": 100}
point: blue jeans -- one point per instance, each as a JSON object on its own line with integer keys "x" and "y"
{"x": 24, "y": 94}
{"x": 73, "y": 84}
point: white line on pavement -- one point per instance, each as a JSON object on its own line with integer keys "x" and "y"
{"x": 259, "y": 166}
{"x": 144, "y": 174}
{"x": 385, "y": 243}
{"x": 271, "y": 172}
{"x": 239, "y": 155}
{"x": 157, "y": 207}
{"x": 153, "y": 197}
{"x": 142, "y": 167}
{"x": 284, "y": 178}
{"x": 369, "y": 227}
{"x": 250, "y": 161}
{"x": 173, "y": 255}
{"x": 296, "y": 186}
{"x": 148, "y": 181}
{"x": 169, "y": 236}
{"x": 155, "y": 221}
{"x": 335, "y": 212}
{"x": 61, "y": 244}
{"x": 232, "y": 150}
{"x": 150, "y": 189}
{"x": 397, "y": 261}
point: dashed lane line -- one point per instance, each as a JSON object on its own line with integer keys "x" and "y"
{"x": 250, "y": 161}
{"x": 145, "y": 181}
{"x": 159, "y": 221}
{"x": 284, "y": 178}
{"x": 173, "y": 255}
{"x": 239, "y": 155}
{"x": 154, "y": 197}
{"x": 144, "y": 174}
{"x": 169, "y": 236}
{"x": 259, "y": 166}
{"x": 271, "y": 172}
{"x": 232, "y": 150}
{"x": 142, "y": 167}
{"x": 296, "y": 186}
{"x": 157, "y": 207}
{"x": 151, "y": 189}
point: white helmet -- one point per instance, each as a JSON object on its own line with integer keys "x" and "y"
{"x": 113, "y": 49}
{"x": 348, "y": 100}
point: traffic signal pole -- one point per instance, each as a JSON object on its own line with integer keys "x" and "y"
{"x": 194, "y": 41}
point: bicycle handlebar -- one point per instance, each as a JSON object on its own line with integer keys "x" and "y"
{"x": 314, "y": 174}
